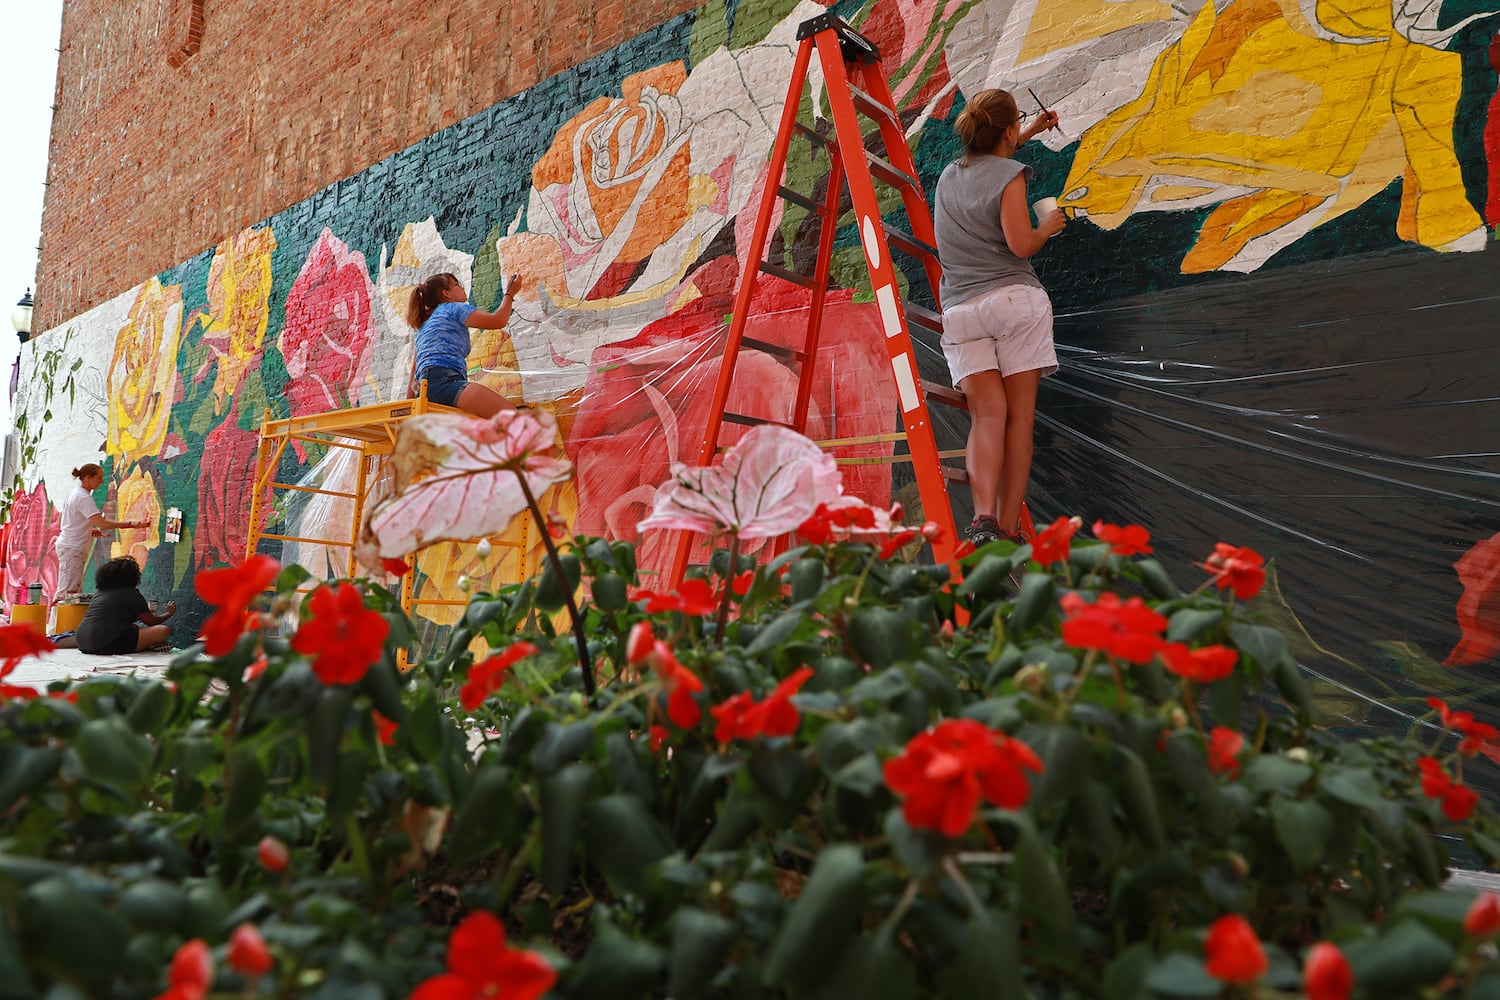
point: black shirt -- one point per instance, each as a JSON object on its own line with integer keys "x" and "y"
{"x": 111, "y": 614}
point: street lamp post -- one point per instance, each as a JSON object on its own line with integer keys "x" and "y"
{"x": 20, "y": 318}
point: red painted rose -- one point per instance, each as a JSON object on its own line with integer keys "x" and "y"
{"x": 32, "y": 531}
{"x": 1479, "y": 607}
{"x": 224, "y": 484}
{"x": 329, "y": 331}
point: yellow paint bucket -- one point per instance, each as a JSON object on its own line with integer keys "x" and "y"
{"x": 31, "y": 614}
{"x": 69, "y": 617}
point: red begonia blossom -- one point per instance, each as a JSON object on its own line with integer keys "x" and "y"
{"x": 385, "y": 729}
{"x": 1458, "y": 800}
{"x": 1206, "y": 664}
{"x": 1482, "y": 920}
{"x": 486, "y": 677}
{"x": 680, "y": 684}
{"x": 944, "y": 772}
{"x": 248, "y": 952}
{"x": 1224, "y": 747}
{"x": 1327, "y": 975}
{"x": 191, "y": 972}
{"x": 481, "y": 964}
{"x": 1475, "y": 734}
{"x": 272, "y": 854}
{"x": 1129, "y": 540}
{"x": 741, "y": 717}
{"x": 1055, "y": 541}
{"x": 1241, "y": 570}
{"x": 342, "y": 636}
{"x": 1232, "y": 951}
{"x": 640, "y": 642}
{"x": 232, "y": 589}
{"x": 1130, "y": 630}
{"x": 693, "y": 597}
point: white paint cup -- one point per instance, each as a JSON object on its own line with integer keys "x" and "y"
{"x": 1044, "y": 207}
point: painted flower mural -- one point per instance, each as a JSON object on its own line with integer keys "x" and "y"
{"x": 138, "y": 498}
{"x": 1479, "y": 607}
{"x": 419, "y": 253}
{"x": 239, "y": 288}
{"x": 329, "y": 332}
{"x": 143, "y": 381}
{"x": 225, "y": 482}
{"x": 630, "y": 195}
{"x": 33, "y": 528}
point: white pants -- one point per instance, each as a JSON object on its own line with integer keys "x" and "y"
{"x": 70, "y": 564}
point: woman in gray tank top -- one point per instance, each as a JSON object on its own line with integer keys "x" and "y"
{"x": 997, "y": 319}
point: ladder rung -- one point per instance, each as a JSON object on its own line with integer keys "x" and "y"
{"x": 745, "y": 420}
{"x": 806, "y": 281}
{"x": 945, "y": 394}
{"x": 775, "y": 350}
{"x": 898, "y": 178}
{"x": 797, "y": 197}
{"x": 954, "y": 473}
{"x": 924, "y": 317}
{"x": 907, "y": 243}
{"x": 811, "y": 134}
{"x": 872, "y": 107}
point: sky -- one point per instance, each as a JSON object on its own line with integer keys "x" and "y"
{"x": 28, "y": 78}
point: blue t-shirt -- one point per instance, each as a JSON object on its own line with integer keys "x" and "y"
{"x": 443, "y": 341}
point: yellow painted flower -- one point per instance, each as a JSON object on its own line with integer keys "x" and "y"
{"x": 137, "y": 499}
{"x": 239, "y": 291}
{"x": 143, "y": 379}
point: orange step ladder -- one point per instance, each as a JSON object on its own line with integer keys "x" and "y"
{"x": 855, "y": 85}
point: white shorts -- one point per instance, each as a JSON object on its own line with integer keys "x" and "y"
{"x": 71, "y": 563}
{"x": 1008, "y": 329}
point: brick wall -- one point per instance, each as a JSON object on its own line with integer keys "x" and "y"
{"x": 181, "y": 121}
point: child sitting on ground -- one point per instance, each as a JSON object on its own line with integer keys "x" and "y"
{"x": 109, "y": 625}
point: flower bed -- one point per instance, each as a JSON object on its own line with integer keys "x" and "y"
{"x": 1055, "y": 770}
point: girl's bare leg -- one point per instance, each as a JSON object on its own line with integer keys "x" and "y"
{"x": 481, "y": 401}
{"x": 1020, "y": 392}
{"x": 986, "y": 451}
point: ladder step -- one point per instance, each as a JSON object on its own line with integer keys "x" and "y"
{"x": 896, "y": 178}
{"x": 798, "y": 198}
{"x": 745, "y": 420}
{"x": 811, "y": 134}
{"x": 871, "y": 107}
{"x": 907, "y": 243}
{"x": 806, "y": 281}
{"x": 945, "y": 394}
{"x": 954, "y": 473}
{"x": 775, "y": 350}
{"x": 923, "y": 317}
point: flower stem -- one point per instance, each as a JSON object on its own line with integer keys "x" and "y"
{"x": 585, "y": 662}
{"x": 734, "y": 565}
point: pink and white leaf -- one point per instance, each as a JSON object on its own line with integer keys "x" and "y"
{"x": 768, "y": 484}
{"x": 456, "y": 479}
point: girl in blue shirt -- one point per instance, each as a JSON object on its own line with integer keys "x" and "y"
{"x": 441, "y": 314}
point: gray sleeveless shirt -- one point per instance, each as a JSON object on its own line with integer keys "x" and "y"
{"x": 971, "y": 244}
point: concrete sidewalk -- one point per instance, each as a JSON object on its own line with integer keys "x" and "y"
{"x": 74, "y": 664}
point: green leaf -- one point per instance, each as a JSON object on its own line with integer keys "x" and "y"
{"x": 550, "y": 592}
{"x": 292, "y": 576}
{"x": 1352, "y": 787}
{"x": 23, "y": 770}
{"x": 1400, "y": 962}
{"x": 1303, "y": 827}
{"x": 1180, "y": 975}
{"x": 1046, "y": 900}
{"x": 1189, "y": 623}
{"x": 247, "y": 788}
{"x": 988, "y": 580}
{"x": 1275, "y": 773}
{"x": 920, "y": 851}
{"x": 776, "y": 633}
{"x": 820, "y": 921}
{"x": 617, "y": 965}
{"x": 1263, "y": 642}
{"x": 475, "y": 832}
{"x": 425, "y": 725}
{"x": 325, "y": 731}
{"x": 1034, "y": 600}
{"x": 624, "y": 840}
{"x": 563, "y": 795}
{"x": 383, "y": 683}
{"x": 610, "y": 592}
{"x": 880, "y": 636}
{"x": 560, "y": 744}
{"x": 1157, "y": 580}
{"x": 806, "y": 578}
{"x": 1125, "y": 976}
{"x": 700, "y": 943}
{"x": 988, "y": 963}
{"x": 15, "y": 980}
{"x": 154, "y": 905}
{"x": 872, "y": 968}
{"x": 111, "y": 753}
{"x": 70, "y": 934}
{"x": 1065, "y": 762}
{"x": 1138, "y": 797}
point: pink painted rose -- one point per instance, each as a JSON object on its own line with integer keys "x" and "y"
{"x": 646, "y": 404}
{"x": 224, "y": 485}
{"x": 29, "y": 554}
{"x": 330, "y": 329}
{"x": 1479, "y": 607}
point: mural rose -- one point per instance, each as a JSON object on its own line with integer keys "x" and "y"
{"x": 225, "y": 482}
{"x": 138, "y": 498}
{"x": 1479, "y": 607}
{"x": 239, "y": 287}
{"x": 143, "y": 380}
{"x": 330, "y": 329}
{"x": 632, "y": 192}
{"x": 33, "y": 529}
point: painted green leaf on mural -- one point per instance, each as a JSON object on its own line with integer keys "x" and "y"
{"x": 710, "y": 31}
{"x": 182, "y": 556}
{"x": 252, "y": 398}
{"x": 752, "y": 23}
{"x": 202, "y": 420}
{"x": 487, "y": 277}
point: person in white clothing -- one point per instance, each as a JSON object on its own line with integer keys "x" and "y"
{"x": 81, "y": 522}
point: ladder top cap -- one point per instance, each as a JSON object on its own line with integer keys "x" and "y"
{"x": 855, "y": 47}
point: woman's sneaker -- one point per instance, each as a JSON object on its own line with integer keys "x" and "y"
{"x": 983, "y": 530}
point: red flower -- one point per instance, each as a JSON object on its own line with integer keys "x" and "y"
{"x": 742, "y": 718}
{"x": 1131, "y": 540}
{"x": 247, "y": 951}
{"x": 231, "y": 589}
{"x": 273, "y": 855}
{"x": 640, "y": 642}
{"x": 1327, "y": 975}
{"x": 1458, "y": 800}
{"x": 1053, "y": 544}
{"x": 680, "y": 683}
{"x": 481, "y": 964}
{"x": 343, "y": 636}
{"x": 944, "y": 772}
{"x": 396, "y": 567}
{"x": 1475, "y": 734}
{"x": 1129, "y": 630}
{"x": 1205, "y": 664}
{"x": 694, "y": 597}
{"x": 1224, "y": 746}
{"x": 1483, "y": 917}
{"x": 385, "y": 729}
{"x": 225, "y": 483}
{"x": 1239, "y": 569}
{"x": 18, "y": 642}
{"x": 890, "y": 545}
{"x": 658, "y": 736}
{"x": 1233, "y": 952}
{"x": 741, "y": 583}
{"x": 486, "y": 678}
{"x": 191, "y": 972}
{"x": 1478, "y": 608}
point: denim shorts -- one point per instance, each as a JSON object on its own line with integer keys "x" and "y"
{"x": 443, "y": 384}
